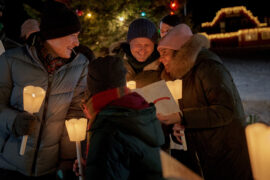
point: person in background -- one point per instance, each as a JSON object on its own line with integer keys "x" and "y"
{"x": 125, "y": 135}
{"x": 29, "y": 27}
{"x": 213, "y": 115}
{"x": 16, "y": 12}
{"x": 167, "y": 23}
{"x": 47, "y": 62}
{"x": 139, "y": 52}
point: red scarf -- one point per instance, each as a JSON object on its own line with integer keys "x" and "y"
{"x": 97, "y": 102}
{"x": 55, "y": 64}
{"x": 51, "y": 63}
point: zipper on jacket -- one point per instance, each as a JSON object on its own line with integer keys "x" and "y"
{"x": 42, "y": 122}
{"x": 199, "y": 164}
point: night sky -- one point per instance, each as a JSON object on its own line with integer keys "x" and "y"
{"x": 205, "y": 10}
{"x": 202, "y": 11}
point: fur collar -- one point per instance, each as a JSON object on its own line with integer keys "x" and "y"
{"x": 185, "y": 58}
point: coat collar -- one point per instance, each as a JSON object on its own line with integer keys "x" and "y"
{"x": 79, "y": 59}
{"x": 186, "y": 57}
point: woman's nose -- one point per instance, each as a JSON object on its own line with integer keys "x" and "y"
{"x": 161, "y": 59}
{"x": 76, "y": 41}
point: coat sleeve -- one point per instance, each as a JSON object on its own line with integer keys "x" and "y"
{"x": 75, "y": 109}
{"x": 219, "y": 91}
{"x": 7, "y": 114}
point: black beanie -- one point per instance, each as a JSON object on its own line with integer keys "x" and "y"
{"x": 142, "y": 28}
{"x": 57, "y": 21}
{"x": 172, "y": 20}
{"x": 106, "y": 73}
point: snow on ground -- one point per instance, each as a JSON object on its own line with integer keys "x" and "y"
{"x": 250, "y": 70}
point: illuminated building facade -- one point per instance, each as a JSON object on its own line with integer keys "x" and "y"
{"x": 236, "y": 27}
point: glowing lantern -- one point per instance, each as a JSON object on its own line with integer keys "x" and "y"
{"x": 258, "y": 141}
{"x": 175, "y": 88}
{"x": 76, "y": 129}
{"x": 32, "y": 99}
{"x": 131, "y": 84}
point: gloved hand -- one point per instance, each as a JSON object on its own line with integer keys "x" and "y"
{"x": 24, "y": 124}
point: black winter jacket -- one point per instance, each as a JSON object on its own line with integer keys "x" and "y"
{"x": 212, "y": 112}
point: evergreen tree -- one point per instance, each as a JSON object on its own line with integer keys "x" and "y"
{"x": 110, "y": 19}
{"x": 105, "y": 22}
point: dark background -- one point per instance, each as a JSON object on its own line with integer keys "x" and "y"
{"x": 205, "y": 10}
{"x": 202, "y": 10}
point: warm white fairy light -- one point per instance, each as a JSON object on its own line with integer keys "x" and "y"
{"x": 121, "y": 19}
{"x": 229, "y": 11}
{"x": 89, "y": 15}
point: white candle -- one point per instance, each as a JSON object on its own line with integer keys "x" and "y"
{"x": 131, "y": 84}
{"x": 175, "y": 88}
{"x": 258, "y": 141}
{"x": 32, "y": 99}
{"x": 76, "y": 129}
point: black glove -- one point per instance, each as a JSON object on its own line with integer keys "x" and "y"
{"x": 24, "y": 124}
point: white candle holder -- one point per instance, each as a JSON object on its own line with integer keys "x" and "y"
{"x": 32, "y": 99}
{"x": 258, "y": 141}
{"x": 76, "y": 129}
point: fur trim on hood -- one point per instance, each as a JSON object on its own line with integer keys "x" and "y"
{"x": 185, "y": 58}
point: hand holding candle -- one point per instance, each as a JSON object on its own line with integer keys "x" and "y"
{"x": 24, "y": 124}
{"x": 76, "y": 129}
{"x": 176, "y": 90}
{"x": 32, "y": 100}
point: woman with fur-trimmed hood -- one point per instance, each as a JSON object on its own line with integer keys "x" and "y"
{"x": 213, "y": 115}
